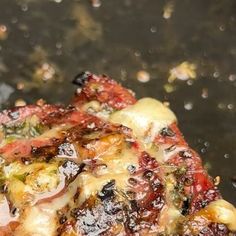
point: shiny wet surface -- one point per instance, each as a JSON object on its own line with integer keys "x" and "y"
{"x": 43, "y": 44}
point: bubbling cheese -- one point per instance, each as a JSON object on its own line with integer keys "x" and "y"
{"x": 146, "y": 118}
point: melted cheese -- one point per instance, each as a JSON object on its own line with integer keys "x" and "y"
{"x": 92, "y": 183}
{"x": 37, "y": 222}
{"x": 223, "y": 212}
{"x": 146, "y": 118}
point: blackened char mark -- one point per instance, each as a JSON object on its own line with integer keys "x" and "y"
{"x": 81, "y": 78}
{"x": 104, "y": 90}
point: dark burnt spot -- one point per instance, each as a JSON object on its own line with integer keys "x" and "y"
{"x": 185, "y": 207}
{"x": 62, "y": 219}
{"x": 158, "y": 203}
{"x": 14, "y": 115}
{"x": 185, "y": 154}
{"x": 167, "y": 132}
{"x": 3, "y": 187}
{"x": 26, "y": 160}
{"x": 132, "y": 181}
{"x": 130, "y": 194}
{"x": 170, "y": 149}
{"x": 14, "y": 211}
{"x": 45, "y": 153}
{"x": 131, "y": 169}
{"x": 148, "y": 174}
{"x": 107, "y": 191}
{"x": 188, "y": 181}
{"x": 156, "y": 185}
{"x": 81, "y": 78}
{"x": 75, "y": 212}
{"x": 134, "y": 205}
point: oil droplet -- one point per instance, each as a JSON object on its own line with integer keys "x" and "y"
{"x": 226, "y": 156}
{"x": 188, "y": 106}
{"x": 96, "y": 3}
{"x": 206, "y": 144}
{"x": 221, "y": 106}
{"x": 14, "y": 20}
{"x": 233, "y": 179}
{"x": 143, "y": 76}
{"x": 58, "y": 45}
{"x": 58, "y": 1}
{"x": 123, "y": 74}
{"x": 137, "y": 54}
{"x": 222, "y": 28}
{"x": 204, "y": 93}
{"x": 232, "y": 77}
{"x": 216, "y": 74}
{"x": 24, "y": 7}
{"x": 190, "y": 82}
{"x": 3, "y": 32}
{"x": 153, "y": 29}
{"x": 230, "y": 106}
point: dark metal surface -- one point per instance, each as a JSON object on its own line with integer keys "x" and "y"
{"x": 45, "y": 43}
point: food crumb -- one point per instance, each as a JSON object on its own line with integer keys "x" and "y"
{"x": 20, "y": 102}
{"x": 168, "y": 10}
{"x": 217, "y": 180}
{"x": 40, "y": 102}
{"x": 188, "y": 106}
{"x": 166, "y": 103}
{"x": 20, "y": 85}
{"x": 204, "y": 93}
{"x": 143, "y": 76}
{"x": 183, "y": 71}
{"x": 45, "y": 72}
{"x": 3, "y": 32}
{"x": 96, "y": 3}
{"x": 169, "y": 88}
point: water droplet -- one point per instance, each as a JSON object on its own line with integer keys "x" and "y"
{"x": 188, "y": 106}
{"x": 226, "y": 156}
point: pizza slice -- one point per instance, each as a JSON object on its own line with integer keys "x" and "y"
{"x": 107, "y": 164}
